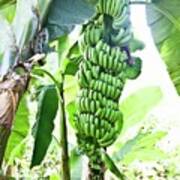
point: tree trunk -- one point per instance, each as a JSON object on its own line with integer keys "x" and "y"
{"x": 12, "y": 88}
{"x": 4, "y": 135}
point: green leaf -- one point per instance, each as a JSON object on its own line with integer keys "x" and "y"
{"x": 69, "y": 54}
{"x": 164, "y": 20}
{"x": 111, "y": 165}
{"x": 5, "y": 3}
{"x": 152, "y": 154}
{"x": 7, "y": 49}
{"x": 142, "y": 143}
{"x": 74, "y": 51}
{"x": 74, "y": 58}
{"x": 43, "y": 7}
{"x": 71, "y": 88}
{"x": 126, "y": 148}
{"x": 71, "y": 109}
{"x": 47, "y": 109}
{"x": 16, "y": 145}
{"x": 6, "y": 35}
{"x": 71, "y": 67}
{"x": 64, "y": 15}
{"x": 25, "y": 23}
{"x": 150, "y": 139}
{"x": 8, "y": 12}
{"x": 135, "y": 45}
{"x": 76, "y": 164}
{"x": 131, "y": 107}
{"x": 132, "y": 71}
{"x": 54, "y": 177}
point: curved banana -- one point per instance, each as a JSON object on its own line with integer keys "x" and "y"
{"x": 101, "y": 77}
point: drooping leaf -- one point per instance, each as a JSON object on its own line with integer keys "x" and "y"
{"x": 142, "y": 143}
{"x": 64, "y": 15}
{"x": 76, "y": 164}
{"x": 136, "y": 106}
{"x": 43, "y": 7}
{"x": 74, "y": 51}
{"x": 69, "y": 54}
{"x": 16, "y": 143}
{"x": 74, "y": 58}
{"x": 150, "y": 139}
{"x": 146, "y": 154}
{"x": 111, "y": 165}
{"x": 126, "y": 147}
{"x": 164, "y": 20}
{"x": 63, "y": 47}
{"x": 72, "y": 66}
{"x": 47, "y": 109}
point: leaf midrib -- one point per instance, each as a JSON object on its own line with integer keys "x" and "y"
{"x": 168, "y": 15}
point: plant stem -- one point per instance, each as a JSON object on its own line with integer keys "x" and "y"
{"x": 63, "y": 125}
{"x": 11, "y": 90}
{"x": 14, "y": 88}
{"x": 96, "y": 174}
{"x": 63, "y": 135}
{"x": 4, "y": 135}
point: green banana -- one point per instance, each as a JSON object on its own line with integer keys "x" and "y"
{"x": 101, "y": 77}
{"x": 117, "y": 38}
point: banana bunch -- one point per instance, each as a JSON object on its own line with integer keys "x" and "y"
{"x": 101, "y": 77}
{"x": 119, "y": 10}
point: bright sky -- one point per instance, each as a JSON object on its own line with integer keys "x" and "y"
{"x": 154, "y": 73}
{"x": 154, "y": 70}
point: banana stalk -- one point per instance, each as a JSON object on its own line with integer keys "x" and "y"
{"x": 14, "y": 85}
{"x": 11, "y": 89}
{"x": 4, "y": 135}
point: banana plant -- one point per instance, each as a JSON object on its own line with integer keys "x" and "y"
{"x": 100, "y": 54}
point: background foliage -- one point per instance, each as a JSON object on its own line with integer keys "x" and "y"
{"x": 137, "y": 146}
